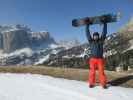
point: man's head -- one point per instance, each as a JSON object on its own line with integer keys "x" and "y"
{"x": 95, "y": 35}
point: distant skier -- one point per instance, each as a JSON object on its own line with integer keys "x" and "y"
{"x": 96, "y": 60}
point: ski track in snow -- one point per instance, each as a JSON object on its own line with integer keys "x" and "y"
{"x": 39, "y": 87}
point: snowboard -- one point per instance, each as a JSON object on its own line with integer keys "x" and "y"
{"x": 106, "y": 18}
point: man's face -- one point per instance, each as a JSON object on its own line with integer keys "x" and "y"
{"x": 95, "y": 37}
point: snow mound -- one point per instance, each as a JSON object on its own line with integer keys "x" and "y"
{"x": 26, "y": 51}
{"x": 38, "y": 87}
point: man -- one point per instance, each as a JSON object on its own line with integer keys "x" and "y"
{"x": 96, "y": 60}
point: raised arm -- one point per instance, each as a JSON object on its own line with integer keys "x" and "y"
{"x": 104, "y": 33}
{"x": 88, "y": 35}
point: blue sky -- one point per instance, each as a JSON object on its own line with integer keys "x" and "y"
{"x": 55, "y": 16}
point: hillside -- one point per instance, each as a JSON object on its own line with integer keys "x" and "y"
{"x": 119, "y": 47}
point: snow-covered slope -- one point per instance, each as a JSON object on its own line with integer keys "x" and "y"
{"x": 28, "y": 56}
{"x": 38, "y": 87}
{"x": 69, "y": 43}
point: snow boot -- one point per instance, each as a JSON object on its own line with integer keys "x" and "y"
{"x": 105, "y": 87}
{"x": 91, "y": 86}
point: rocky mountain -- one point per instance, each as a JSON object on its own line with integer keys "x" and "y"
{"x": 69, "y": 43}
{"x": 19, "y": 45}
{"x": 119, "y": 47}
{"x": 17, "y": 37}
{"x": 72, "y": 57}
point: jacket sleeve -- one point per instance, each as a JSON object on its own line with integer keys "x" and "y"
{"x": 88, "y": 35}
{"x": 104, "y": 33}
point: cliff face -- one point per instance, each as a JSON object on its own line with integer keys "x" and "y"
{"x": 1, "y": 41}
{"x": 17, "y": 37}
{"x": 13, "y": 40}
{"x": 41, "y": 39}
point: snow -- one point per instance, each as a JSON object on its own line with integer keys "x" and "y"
{"x": 10, "y": 30}
{"x": 42, "y": 54}
{"x": 27, "y": 51}
{"x": 73, "y": 55}
{"x": 131, "y": 46}
{"x": 53, "y": 46}
{"x": 81, "y": 55}
{"x": 67, "y": 44}
{"x": 66, "y": 56}
{"x": 39, "y": 35}
{"x": 109, "y": 53}
{"x": 69, "y": 56}
{"x": 41, "y": 60}
{"x": 54, "y": 51}
{"x": 38, "y": 87}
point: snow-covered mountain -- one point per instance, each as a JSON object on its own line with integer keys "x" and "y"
{"x": 20, "y": 45}
{"x": 69, "y": 43}
{"x": 38, "y": 87}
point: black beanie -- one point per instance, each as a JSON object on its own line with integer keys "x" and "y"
{"x": 95, "y": 33}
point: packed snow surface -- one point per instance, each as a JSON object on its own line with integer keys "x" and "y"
{"x": 38, "y": 87}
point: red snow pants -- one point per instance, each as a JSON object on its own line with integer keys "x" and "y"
{"x": 97, "y": 63}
